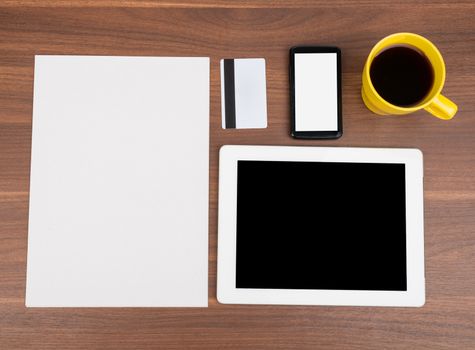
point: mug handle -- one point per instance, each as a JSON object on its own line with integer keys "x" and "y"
{"x": 442, "y": 108}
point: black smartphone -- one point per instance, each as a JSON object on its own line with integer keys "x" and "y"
{"x": 315, "y": 92}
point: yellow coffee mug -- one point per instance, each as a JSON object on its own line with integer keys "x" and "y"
{"x": 434, "y": 103}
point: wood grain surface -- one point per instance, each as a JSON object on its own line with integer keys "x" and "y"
{"x": 218, "y": 29}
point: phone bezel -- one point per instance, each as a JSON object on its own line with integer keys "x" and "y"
{"x": 315, "y": 134}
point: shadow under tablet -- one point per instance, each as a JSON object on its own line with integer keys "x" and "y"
{"x": 321, "y": 225}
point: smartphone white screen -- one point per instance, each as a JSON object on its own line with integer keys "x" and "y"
{"x": 316, "y": 92}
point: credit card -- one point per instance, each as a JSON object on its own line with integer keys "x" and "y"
{"x": 243, "y": 93}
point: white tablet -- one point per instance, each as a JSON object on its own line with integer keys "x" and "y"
{"x": 320, "y": 226}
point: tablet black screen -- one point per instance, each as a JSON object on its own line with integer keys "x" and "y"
{"x": 319, "y": 225}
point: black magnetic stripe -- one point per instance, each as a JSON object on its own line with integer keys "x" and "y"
{"x": 229, "y": 94}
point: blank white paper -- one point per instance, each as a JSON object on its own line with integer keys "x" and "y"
{"x": 119, "y": 182}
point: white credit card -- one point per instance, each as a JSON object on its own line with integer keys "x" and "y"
{"x": 243, "y": 93}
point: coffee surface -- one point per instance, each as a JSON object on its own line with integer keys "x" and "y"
{"x": 402, "y": 75}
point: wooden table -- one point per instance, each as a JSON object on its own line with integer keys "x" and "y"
{"x": 218, "y": 28}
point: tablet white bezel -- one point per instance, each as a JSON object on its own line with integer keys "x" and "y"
{"x": 227, "y": 293}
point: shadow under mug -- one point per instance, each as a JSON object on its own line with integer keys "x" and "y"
{"x": 434, "y": 103}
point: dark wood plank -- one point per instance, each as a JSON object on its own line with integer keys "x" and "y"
{"x": 249, "y": 29}
{"x": 223, "y": 3}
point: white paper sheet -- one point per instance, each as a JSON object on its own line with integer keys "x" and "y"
{"x": 119, "y": 182}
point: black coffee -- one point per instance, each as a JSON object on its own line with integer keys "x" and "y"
{"x": 402, "y": 75}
